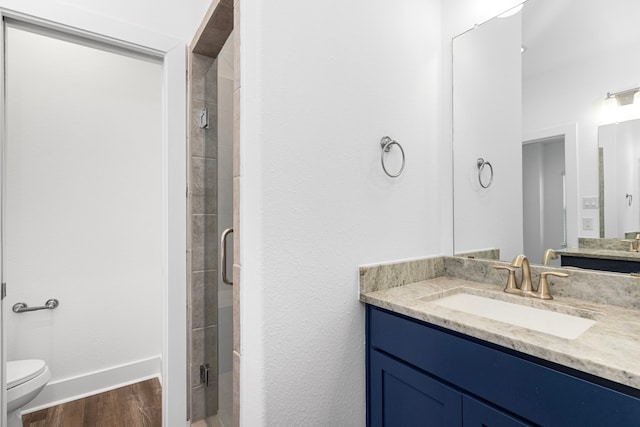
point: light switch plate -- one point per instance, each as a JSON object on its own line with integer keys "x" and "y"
{"x": 590, "y": 202}
{"x": 587, "y": 223}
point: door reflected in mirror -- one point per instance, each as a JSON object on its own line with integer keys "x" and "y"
{"x": 543, "y": 195}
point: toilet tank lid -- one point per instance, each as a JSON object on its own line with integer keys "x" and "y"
{"x": 21, "y": 371}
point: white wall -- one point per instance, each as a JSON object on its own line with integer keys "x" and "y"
{"x": 84, "y": 210}
{"x": 320, "y": 87}
{"x": 144, "y": 22}
{"x": 175, "y": 18}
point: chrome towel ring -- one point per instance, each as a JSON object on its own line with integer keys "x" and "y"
{"x": 481, "y": 163}
{"x": 386, "y": 143}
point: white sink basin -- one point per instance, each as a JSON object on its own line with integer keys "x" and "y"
{"x": 550, "y": 322}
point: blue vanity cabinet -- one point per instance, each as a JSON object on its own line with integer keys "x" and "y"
{"x": 478, "y": 414}
{"x": 423, "y": 375}
{"x": 604, "y": 264}
{"x": 407, "y": 397}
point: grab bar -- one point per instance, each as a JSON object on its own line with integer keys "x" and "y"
{"x": 223, "y": 255}
{"x": 21, "y": 307}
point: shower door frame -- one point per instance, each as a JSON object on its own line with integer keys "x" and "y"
{"x": 172, "y": 53}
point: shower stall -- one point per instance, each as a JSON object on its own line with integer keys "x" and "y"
{"x": 210, "y": 206}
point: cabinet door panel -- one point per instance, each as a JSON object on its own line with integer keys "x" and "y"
{"x": 405, "y": 397}
{"x": 478, "y": 414}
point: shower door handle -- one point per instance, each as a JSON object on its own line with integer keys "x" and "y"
{"x": 223, "y": 255}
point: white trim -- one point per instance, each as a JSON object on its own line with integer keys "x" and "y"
{"x": 98, "y": 27}
{"x": 174, "y": 345}
{"x": 3, "y": 192}
{"x": 570, "y": 132}
{"x": 173, "y": 54}
{"x": 92, "y": 383}
{"x": 52, "y": 30}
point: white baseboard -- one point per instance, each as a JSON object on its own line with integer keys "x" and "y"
{"x": 68, "y": 389}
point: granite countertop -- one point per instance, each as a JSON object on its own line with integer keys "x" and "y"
{"x": 609, "y": 349}
{"x": 600, "y": 253}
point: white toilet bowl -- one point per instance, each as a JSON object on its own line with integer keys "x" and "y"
{"x": 25, "y": 379}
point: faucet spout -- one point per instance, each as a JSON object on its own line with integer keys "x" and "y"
{"x": 521, "y": 261}
{"x": 549, "y": 254}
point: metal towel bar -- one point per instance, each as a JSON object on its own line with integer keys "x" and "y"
{"x": 22, "y": 307}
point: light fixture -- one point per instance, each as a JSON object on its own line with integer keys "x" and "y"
{"x": 621, "y": 106}
{"x": 511, "y": 11}
{"x": 623, "y": 97}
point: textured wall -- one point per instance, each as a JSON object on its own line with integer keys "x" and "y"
{"x": 320, "y": 86}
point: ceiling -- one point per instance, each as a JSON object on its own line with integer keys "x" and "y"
{"x": 556, "y": 32}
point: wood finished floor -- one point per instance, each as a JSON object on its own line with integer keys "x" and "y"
{"x": 136, "y": 405}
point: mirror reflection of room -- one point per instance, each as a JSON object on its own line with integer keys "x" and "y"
{"x": 545, "y": 92}
{"x": 619, "y": 179}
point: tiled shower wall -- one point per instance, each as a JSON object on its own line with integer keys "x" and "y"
{"x": 203, "y": 288}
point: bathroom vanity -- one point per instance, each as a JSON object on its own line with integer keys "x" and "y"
{"x": 601, "y": 259}
{"x": 428, "y": 364}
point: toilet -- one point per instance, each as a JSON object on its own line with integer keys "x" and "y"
{"x": 25, "y": 380}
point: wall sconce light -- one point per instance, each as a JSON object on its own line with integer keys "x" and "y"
{"x": 624, "y": 97}
{"x": 621, "y": 106}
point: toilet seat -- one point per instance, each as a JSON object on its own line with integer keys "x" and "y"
{"x": 21, "y": 371}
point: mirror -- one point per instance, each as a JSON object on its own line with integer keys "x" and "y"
{"x": 528, "y": 93}
{"x": 619, "y": 179}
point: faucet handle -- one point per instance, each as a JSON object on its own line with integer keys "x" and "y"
{"x": 543, "y": 286}
{"x": 511, "y": 286}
